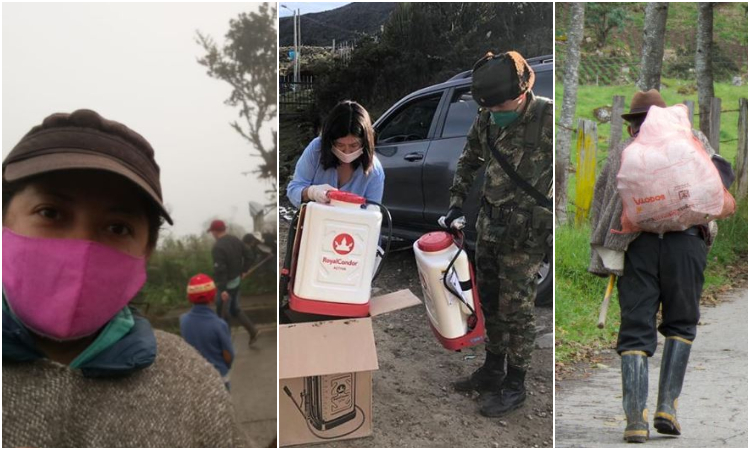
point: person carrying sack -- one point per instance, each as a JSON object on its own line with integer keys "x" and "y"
{"x": 512, "y": 138}
{"x": 654, "y": 269}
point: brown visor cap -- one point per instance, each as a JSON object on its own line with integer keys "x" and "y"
{"x": 86, "y": 140}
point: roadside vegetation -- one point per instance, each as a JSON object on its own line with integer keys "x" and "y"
{"x": 173, "y": 264}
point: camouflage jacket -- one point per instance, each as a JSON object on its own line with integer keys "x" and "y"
{"x": 533, "y": 166}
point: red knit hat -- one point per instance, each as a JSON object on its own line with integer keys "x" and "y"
{"x": 201, "y": 289}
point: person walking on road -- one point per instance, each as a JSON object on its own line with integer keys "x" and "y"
{"x": 653, "y": 269}
{"x": 512, "y": 138}
{"x": 232, "y": 259}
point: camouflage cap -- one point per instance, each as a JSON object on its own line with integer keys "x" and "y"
{"x": 499, "y": 78}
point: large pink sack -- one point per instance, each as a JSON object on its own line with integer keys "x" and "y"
{"x": 667, "y": 181}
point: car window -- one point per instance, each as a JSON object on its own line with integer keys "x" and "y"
{"x": 543, "y": 84}
{"x": 410, "y": 123}
{"x": 461, "y": 114}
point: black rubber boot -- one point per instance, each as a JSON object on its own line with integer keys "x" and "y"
{"x": 673, "y": 365}
{"x": 248, "y": 325}
{"x": 634, "y": 395}
{"x": 511, "y": 396}
{"x": 488, "y": 378}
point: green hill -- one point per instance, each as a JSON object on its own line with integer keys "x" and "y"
{"x": 616, "y": 60}
{"x": 347, "y": 23}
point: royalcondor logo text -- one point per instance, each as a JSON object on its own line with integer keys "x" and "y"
{"x": 340, "y": 262}
{"x": 655, "y": 198}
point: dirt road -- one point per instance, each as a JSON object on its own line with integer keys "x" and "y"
{"x": 713, "y": 405}
{"x": 253, "y": 381}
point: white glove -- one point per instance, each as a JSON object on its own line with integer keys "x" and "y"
{"x": 317, "y": 193}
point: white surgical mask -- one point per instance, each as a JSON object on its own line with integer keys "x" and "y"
{"x": 346, "y": 157}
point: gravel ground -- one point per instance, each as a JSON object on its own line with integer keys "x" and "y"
{"x": 414, "y": 404}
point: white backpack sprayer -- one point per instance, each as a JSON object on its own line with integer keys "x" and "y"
{"x": 331, "y": 256}
{"x": 450, "y": 293}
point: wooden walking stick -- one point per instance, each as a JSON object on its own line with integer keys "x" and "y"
{"x": 605, "y": 304}
{"x": 257, "y": 266}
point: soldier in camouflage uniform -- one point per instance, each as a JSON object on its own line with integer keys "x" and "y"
{"x": 514, "y": 230}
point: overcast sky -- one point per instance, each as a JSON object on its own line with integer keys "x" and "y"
{"x": 311, "y": 7}
{"x": 136, "y": 63}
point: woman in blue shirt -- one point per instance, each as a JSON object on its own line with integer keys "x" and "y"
{"x": 341, "y": 158}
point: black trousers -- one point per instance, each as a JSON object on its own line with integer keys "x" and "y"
{"x": 666, "y": 271}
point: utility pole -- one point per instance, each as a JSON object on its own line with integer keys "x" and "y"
{"x": 297, "y": 45}
{"x": 297, "y": 22}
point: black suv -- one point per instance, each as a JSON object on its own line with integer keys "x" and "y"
{"x": 419, "y": 141}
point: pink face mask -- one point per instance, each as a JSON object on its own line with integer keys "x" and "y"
{"x": 66, "y": 289}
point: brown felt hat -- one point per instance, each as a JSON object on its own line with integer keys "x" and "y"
{"x": 499, "y": 78}
{"x": 85, "y": 140}
{"x": 641, "y": 103}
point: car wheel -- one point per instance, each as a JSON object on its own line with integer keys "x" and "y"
{"x": 544, "y": 283}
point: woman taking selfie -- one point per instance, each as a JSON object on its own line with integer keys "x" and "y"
{"x": 82, "y": 208}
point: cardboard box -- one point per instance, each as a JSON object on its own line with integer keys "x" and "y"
{"x": 325, "y": 375}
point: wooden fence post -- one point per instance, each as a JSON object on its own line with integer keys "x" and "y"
{"x": 691, "y": 109}
{"x": 714, "y": 118}
{"x": 615, "y": 128}
{"x": 740, "y": 165}
{"x": 585, "y": 169}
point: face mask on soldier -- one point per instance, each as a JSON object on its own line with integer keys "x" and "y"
{"x": 504, "y": 118}
{"x": 507, "y": 112}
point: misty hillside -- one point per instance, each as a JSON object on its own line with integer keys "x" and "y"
{"x": 347, "y": 23}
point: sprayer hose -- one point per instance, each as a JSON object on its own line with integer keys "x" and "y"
{"x": 387, "y": 214}
{"x": 447, "y": 285}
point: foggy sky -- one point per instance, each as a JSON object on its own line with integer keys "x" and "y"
{"x": 137, "y": 64}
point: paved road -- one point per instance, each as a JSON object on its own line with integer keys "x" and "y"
{"x": 253, "y": 379}
{"x": 713, "y": 404}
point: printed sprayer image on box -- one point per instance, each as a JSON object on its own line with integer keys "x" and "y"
{"x": 328, "y": 402}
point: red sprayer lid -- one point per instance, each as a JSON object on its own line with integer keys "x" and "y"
{"x": 435, "y": 241}
{"x": 346, "y": 197}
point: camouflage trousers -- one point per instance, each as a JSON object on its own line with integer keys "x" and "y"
{"x": 506, "y": 280}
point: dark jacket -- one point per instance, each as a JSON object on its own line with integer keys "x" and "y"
{"x": 231, "y": 259}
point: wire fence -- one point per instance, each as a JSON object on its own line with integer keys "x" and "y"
{"x": 296, "y": 96}
{"x": 608, "y": 71}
